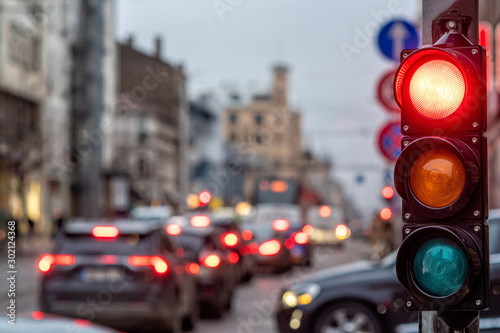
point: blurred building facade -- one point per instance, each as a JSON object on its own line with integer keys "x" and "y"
{"x": 265, "y": 141}
{"x": 38, "y": 88}
{"x": 149, "y": 136}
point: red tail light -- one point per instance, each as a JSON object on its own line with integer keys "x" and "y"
{"x": 105, "y": 232}
{"x": 108, "y": 259}
{"x": 247, "y": 235}
{"x": 229, "y": 239}
{"x": 37, "y": 315}
{"x": 308, "y": 229}
{"x": 193, "y": 268}
{"x": 289, "y": 243}
{"x": 253, "y": 248}
{"x": 159, "y": 264}
{"x": 301, "y": 238}
{"x": 200, "y": 221}
{"x": 281, "y": 225}
{"x": 233, "y": 257}
{"x": 270, "y": 248}
{"x": 47, "y": 261}
{"x": 211, "y": 261}
{"x": 173, "y": 229}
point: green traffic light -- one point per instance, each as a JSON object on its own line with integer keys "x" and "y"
{"x": 440, "y": 267}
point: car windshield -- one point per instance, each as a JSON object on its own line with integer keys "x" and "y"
{"x": 88, "y": 245}
{"x": 151, "y": 213}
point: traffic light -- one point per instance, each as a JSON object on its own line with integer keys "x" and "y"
{"x": 441, "y": 175}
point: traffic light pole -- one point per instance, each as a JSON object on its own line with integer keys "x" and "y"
{"x": 434, "y": 14}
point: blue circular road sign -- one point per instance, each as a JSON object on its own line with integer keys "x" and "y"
{"x": 396, "y": 36}
{"x": 389, "y": 140}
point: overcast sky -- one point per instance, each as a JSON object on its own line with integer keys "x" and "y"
{"x": 233, "y": 43}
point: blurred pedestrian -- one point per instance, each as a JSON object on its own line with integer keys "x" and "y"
{"x": 58, "y": 221}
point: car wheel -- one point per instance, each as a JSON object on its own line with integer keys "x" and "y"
{"x": 347, "y": 317}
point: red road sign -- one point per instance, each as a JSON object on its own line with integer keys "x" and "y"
{"x": 389, "y": 140}
{"x": 385, "y": 92}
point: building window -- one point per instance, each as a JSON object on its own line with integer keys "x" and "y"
{"x": 258, "y": 139}
{"x": 232, "y": 137}
{"x": 143, "y": 168}
{"x": 259, "y": 119}
{"x": 233, "y": 118}
{"x": 24, "y": 47}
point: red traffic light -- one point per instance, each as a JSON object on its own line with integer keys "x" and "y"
{"x": 439, "y": 89}
{"x": 388, "y": 192}
{"x": 205, "y": 197}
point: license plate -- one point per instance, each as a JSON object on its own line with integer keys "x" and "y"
{"x": 101, "y": 274}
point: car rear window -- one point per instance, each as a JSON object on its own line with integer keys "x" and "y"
{"x": 89, "y": 245}
{"x": 191, "y": 243}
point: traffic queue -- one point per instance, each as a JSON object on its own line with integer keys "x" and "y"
{"x": 153, "y": 271}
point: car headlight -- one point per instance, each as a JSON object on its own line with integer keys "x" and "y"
{"x": 300, "y": 295}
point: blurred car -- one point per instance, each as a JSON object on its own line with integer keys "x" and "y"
{"x": 268, "y": 247}
{"x": 328, "y": 227}
{"x": 145, "y": 213}
{"x": 48, "y": 323}
{"x": 122, "y": 274}
{"x": 365, "y": 296}
{"x": 287, "y": 220}
{"x": 233, "y": 238}
{"x": 212, "y": 264}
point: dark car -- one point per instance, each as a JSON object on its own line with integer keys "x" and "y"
{"x": 234, "y": 239}
{"x": 213, "y": 266}
{"x": 365, "y": 296}
{"x": 268, "y": 247}
{"x": 124, "y": 274}
{"x": 287, "y": 220}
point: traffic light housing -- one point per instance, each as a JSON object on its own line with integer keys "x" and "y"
{"x": 441, "y": 175}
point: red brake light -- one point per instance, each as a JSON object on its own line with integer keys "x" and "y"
{"x": 200, "y": 221}
{"x": 253, "y": 248}
{"x": 229, "y": 239}
{"x": 270, "y": 248}
{"x": 173, "y": 229}
{"x": 247, "y": 235}
{"x": 281, "y": 225}
{"x": 193, "y": 268}
{"x": 159, "y": 264}
{"x": 308, "y": 229}
{"x": 233, "y": 257}
{"x": 105, "y": 232}
{"x": 37, "y": 315}
{"x": 325, "y": 211}
{"x": 301, "y": 238}
{"x": 289, "y": 243}
{"x": 211, "y": 261}
{"x": 47, "y": 261}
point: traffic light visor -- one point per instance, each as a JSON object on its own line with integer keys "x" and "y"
{"x": 440, "y": 267}
{"x": 437, "y": 178}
